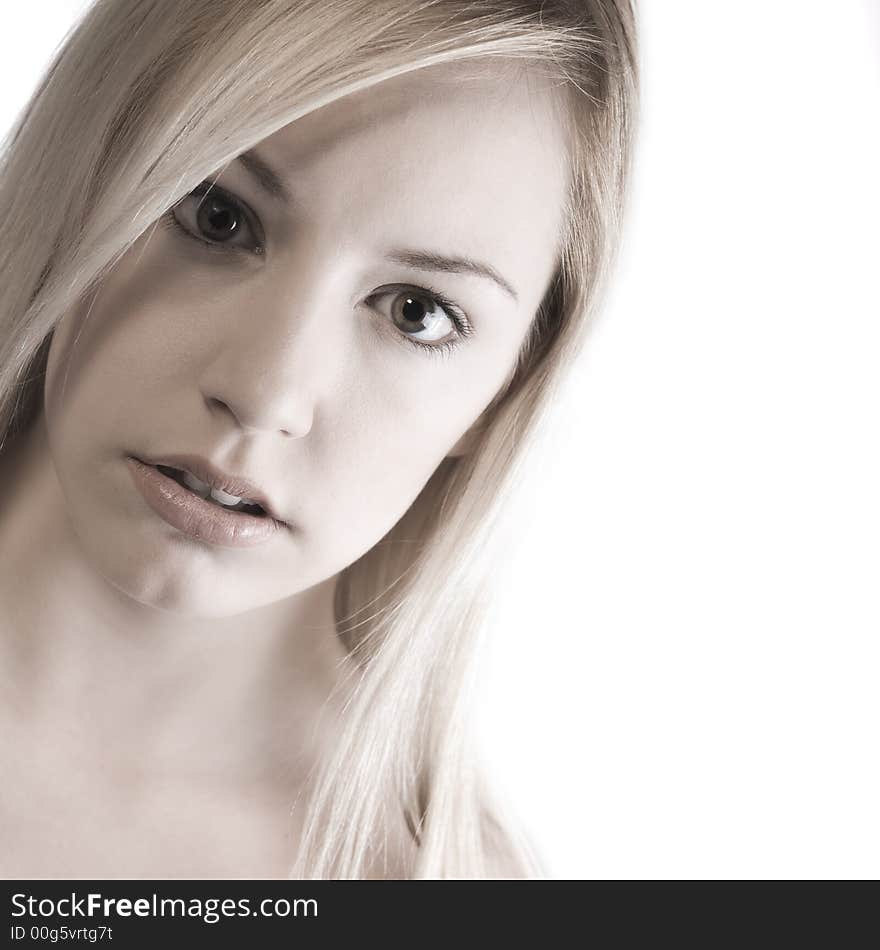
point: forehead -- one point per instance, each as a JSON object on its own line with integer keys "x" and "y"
{"x": 470, "y": 159}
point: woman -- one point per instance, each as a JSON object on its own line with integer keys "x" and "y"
{"x": 287, "y": 287}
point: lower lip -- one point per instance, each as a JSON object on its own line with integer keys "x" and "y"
{"x": 196, "y": 517}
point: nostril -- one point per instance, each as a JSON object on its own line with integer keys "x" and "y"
{"x": 214, "y": 403}
{"x": 251, "y": 423}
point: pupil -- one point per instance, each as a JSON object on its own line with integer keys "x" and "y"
{"x": 413, "y": 311}
{"x": 221, "y": 219}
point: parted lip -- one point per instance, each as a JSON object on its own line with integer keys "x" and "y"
{"x": 216, "y": 478}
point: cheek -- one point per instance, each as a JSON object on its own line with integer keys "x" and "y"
{"x": 380, "y": 453}
{"x": 111, "y": 364}
{"x": 371, "y": 478}
{"x": 106, "y": 377}
{"x": 122, "y": 344}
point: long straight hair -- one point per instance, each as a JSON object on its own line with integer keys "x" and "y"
{"x": 141, "y": 102}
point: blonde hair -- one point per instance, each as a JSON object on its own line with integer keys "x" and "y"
{"x": 143, "y": 100}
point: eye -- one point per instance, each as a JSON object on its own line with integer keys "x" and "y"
{"x": 216, "y": 218}
{"x": 425, "y": 318}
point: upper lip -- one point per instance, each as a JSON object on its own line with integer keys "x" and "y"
{"x": 215, "y": 477}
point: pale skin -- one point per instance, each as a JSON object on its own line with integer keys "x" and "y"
{"x": 161, "y": 698}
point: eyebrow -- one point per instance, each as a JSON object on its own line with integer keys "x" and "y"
{"x": 429, "y": 261}
{"x": 275, "y": 186}
{"x": 265, "y": 176}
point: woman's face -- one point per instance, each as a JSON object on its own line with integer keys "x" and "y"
{"x": 336, "y": 369}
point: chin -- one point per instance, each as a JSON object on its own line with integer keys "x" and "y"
{"x": 147, "y": 572}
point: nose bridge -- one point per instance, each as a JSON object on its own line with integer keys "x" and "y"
{"x": 281, "y": 348}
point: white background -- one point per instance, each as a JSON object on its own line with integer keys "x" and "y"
{"x": 685, "y": 679}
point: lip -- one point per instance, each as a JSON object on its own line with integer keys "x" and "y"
{"x": 215, "y": 478}
{"x": 200, "y": 519}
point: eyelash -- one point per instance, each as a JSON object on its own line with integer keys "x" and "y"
{"x": 462, "y": 325}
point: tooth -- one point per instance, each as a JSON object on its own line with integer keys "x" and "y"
{"x": 199, "y": 487}
{"x": 224, "y": 498}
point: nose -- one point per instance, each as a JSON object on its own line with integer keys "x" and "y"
{"x": 271, "y": 361}
{"x": 250, "y": 423}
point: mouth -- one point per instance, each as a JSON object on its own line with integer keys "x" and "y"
{"x": 203, "y": 513}
{"x": 213, "y": 495}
